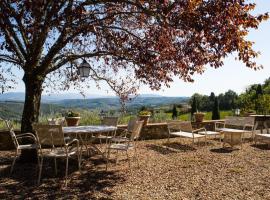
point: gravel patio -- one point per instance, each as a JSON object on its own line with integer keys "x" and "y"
{"x": 172, "y": 170}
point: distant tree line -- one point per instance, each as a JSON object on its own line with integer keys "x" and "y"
{"x": 227, "y": 101}
{"x": 256, "y": 98}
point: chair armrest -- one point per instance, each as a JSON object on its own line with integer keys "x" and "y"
{"x": 121, "y": 128}
{"x": 199, "y": 129}
{"x": 71, "y": 142}
{"x": 26, "y": 135}
{"x": 124, "y": 133}
{"x": 248, "y": 125}
{"x": 220, "y": 123}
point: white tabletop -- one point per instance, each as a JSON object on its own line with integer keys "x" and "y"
{"x": 88, "y": 129}
{"x": 231, "y": 130}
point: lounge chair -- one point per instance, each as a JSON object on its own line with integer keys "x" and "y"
{"x": 184, "y": 129}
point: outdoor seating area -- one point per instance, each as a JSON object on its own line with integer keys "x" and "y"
{"x": 126, "y": 100}
{"x": 166, "y": 171}
{"x": 109, "y": 160}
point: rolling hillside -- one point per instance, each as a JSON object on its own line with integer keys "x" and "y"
{"x": 12, "y": 109}
{"x": 114, "y": 104}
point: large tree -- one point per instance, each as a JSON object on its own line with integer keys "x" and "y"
{"x": 153, "y": 40}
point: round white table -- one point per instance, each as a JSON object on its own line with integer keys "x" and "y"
{"x": 232, "y": 136}
{"x": 82, "y": 132}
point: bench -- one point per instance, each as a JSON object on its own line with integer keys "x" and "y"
{"x": 246, "y": 124}
{"x": 184, "y": 129}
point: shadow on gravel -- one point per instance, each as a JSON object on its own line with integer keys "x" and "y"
{"x": 261, "y": 146}
{"x": 223, "y": 150}
{"x": 168, "y": 148}
{"x": 93, "y": 182}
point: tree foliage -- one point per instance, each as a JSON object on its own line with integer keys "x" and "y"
{"x": 149, "y": 40}
{"x": 215, "y": 111}
{"x": 194, "y": 105}
{"x": 174, "y": 112}
{"x": 256, "y": 98}
{"x": 227, "y": 101}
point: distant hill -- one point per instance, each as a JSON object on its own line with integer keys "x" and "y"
{"x": 114, "y": 104}
{"x": 12, "y": 109}
{"x": 19, "y": 96}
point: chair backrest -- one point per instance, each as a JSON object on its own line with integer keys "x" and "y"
{"x": 239, "y": 121}
{"x": 110, "y": 121}
{"x": 174, "y": 125}
{"x": 12, "y": 133}
{"x": 186, "y": 126}
{"x": 49, "y": 135}
{"x": 131, "y": 124}
{"x": 56, "y": 121}
{"x": 135, "y": 134}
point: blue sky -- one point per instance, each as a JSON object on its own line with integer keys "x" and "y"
{"x": 233, "y": 75}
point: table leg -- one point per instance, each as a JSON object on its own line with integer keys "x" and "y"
{"x": 266, "y": 126}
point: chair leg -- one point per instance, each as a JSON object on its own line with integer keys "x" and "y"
{"x": 136, "y": 156}
{"x": 79, "y": 160}
{"x": 13, "y": 162}
{"x": 38, "y": 163}
{"x": 128, "y": 159}
{"x": 40, "y": 169}
{"x": 116, "y": 160}
{"x": 66, "y": 171}
{"x": 107, "y": 160}
{"x": 55, "y": 166}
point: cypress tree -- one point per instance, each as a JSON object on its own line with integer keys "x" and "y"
{"x": 194, "y": 107}
{"x": 259, "y": 93}
{"x": 215, "y": 111}
{"x": 174, "y": 112}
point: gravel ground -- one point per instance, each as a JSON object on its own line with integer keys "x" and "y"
{"x": 172, "y": 170}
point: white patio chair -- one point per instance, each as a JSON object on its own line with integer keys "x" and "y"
{"x": 60, "y": 121}
{"x": 16, "y": 139}
{"x": 56, "y": 121}
{"x": 123, "y": 136}
{"x": 130, "y": 144}
{"x": 184, "y": 129}
{"x": 52, "y": 136}
{"x": 108, "y": 121}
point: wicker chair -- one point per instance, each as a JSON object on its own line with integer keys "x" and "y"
{"x": 52, "y": 136}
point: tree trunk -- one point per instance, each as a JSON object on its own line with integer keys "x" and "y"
{"x": 33, "y": 91}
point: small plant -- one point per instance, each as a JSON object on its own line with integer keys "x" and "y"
{"x": 144, "y": 112}
{"x": 72, "y": 114}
